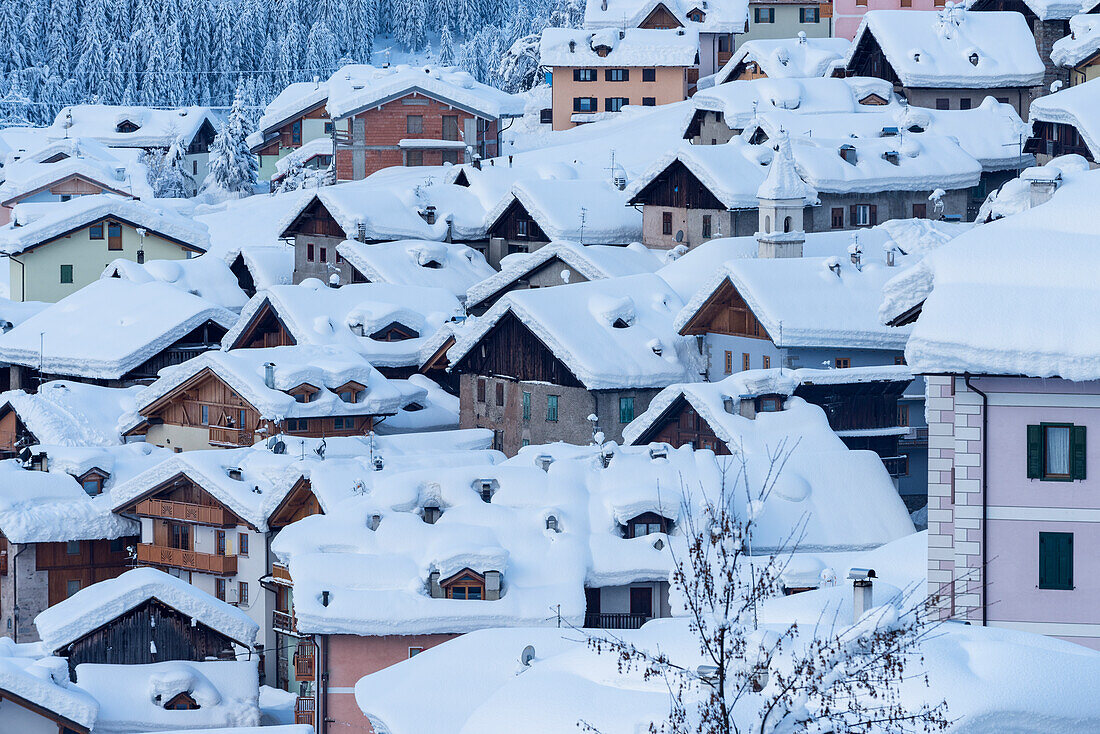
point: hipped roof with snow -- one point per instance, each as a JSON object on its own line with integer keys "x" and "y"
{"x": 633, "y": 47}
{"x": 715, "y": 16}
{"x": 154, "y": 128}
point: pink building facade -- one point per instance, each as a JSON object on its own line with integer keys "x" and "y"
{"x": 847, "y": 14}
{"x": 1013, "y": 510}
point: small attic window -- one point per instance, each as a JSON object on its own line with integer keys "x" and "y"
{"x": 471, "y": 585}
{"x": 889, "y": 132}
{"x": 697, "y": 15}
{"x": 620, "y": 323}
{"x": 350, "y": 392}
{"x": 915, "y": 128}
{"x": 769, "y": 404}
{"x": 848, "y": 153}
{"x": 127, "y": 127}
{"x": 892, "y": 156}
{"x": 395, "y": 331}
{"x": 645, "y": 524}
{"x": 973, "y": 59}
{"x": 56, "y": 157}
{"x": 431, "y": 514}
{"x": 432, "y": 265}
{"x": 552, "y": 523}
{"x": 486, "y": 488}
{"x": 92, "y": 481}
{"x": 182, "y": 702}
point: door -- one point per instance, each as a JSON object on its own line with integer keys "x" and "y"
{"x": 641, "y": 601}
{"x": 179, "y": 535}
{"x": 114, "y": 236}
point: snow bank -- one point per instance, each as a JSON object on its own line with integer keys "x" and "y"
{"x": 45, "y": 682}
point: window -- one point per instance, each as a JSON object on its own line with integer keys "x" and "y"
{"x": 95, "y": 232}
{"x": 219, "y": 542}
{"x": 899, "y": 359}
{"x": 1056, "y": 452}
{"x": 204, "y": 413}
{"x": 297, "y": 425}
{"x": 500, "y": 393}
{"x": 414, "y": 124}
{"x": 584, "y": 75}
{"x": 552, "y": 408}
{"x": 861, "y": 3}
{"x": 614, "y": 104}
{"x": 66, "y": 273}
{"x": 114, "y": 236}
{"x": 414, "y": 651}
{"x": 649, "y": 101}
{"x": 666, "y": 223}
{"x": 920, "y": 211}
{"x": 71, "y": 587}
{"x": 769, "y": 404}
{"x": 706, "y": 226}
{"x": 481, "y": 389}
{"x": 838, "y": 217}
{"x": 219, "y": 588}
{"x": 118, "y": 545}
{"x": 329, "y": 128}
{"x": 521, "y": 227}
{"x": 296, "y": 133}
{"x": 526, "y": 406}
{"x": 1056, "y": 561}
{"x": 584, "y": 104}
{"x": 766, "y": 362}
{"x": 808, "y": 15}
{"x": 744, "y": 360}
{"x": 72, "y": 548}
{"x": 309, "y": 252}
{"x": 906, "y": 3}
{"x": 729, "y": 363}
{"x": 724, "y": 42}
{"x": 964, "y": 103}
{"x": 324, "y": 254}
{"x": 347, "y": 396}
{"x": 414, "y": 158}
{"x": 863, "y": 215}
{"x": 649, "y": 75}
{"x": 450, "y": 127}
{"x": 641, "y": 601}
{"x": 242, "y": 544}
{"x": 617, "y": 75}
{"x": 842, "y": 363}
{"x": 903, "y": 415}
{"x": 242, "y": 593}
{"x": 765, "y": 15}
{"x": 626, "y": 410}
{"x": 546, "y": 116}
{"x": 92, "y": 485}
{"x": 942, "y": 103}
{"x": 452, "y": 156}
{"x": 343, "y": 423}
{"x": 194, "y": 168}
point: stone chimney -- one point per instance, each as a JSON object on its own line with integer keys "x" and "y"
{"x": 492, "y": 585}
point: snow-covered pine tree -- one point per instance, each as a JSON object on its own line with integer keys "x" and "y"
{"x": 168, "y": 174}
{"x": 409, "y": 23}
{"x": 446, "y": 48}
{"x": 357, "y": 41}
{"x": 94, "y": 32}
{"x": 228, "y": 48}
{"x": 234, "y": 171}
{"x": 321, "y": 53}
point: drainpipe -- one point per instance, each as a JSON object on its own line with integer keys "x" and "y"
{"x": 985, "y": 493}
{"x": 322, "y": 699}
{"x": 15, "y": 592}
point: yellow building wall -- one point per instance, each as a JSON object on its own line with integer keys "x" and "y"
{"x": 36, "y": 274}
{"x": 669, "y": 85}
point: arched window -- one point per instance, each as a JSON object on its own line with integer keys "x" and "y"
{"x": 767, "y": 225}
{"x": 787, "y": 224}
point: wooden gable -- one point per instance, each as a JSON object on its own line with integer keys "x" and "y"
{"x": 679, "y": 425}
{"x": 511, "y": 223}
{"x": 264, "y": 329}
{"x": 182, "y": 406}
{"x": 869, "y": 60}
{"x": 676, "y": 186}
{"x": 14, "y": 434}
{"x": 299, "y": 503}
{"x": 182, "y": 489}
{"x": 395, "y": 331}
{"x": 873, "y": 99}
{"x": 202, "y": 338}
{"x": 315, "y": 219}
{"x": 511, "y": 349}
{"x": 660, "y": 17}
{"x": 725, "y": 312}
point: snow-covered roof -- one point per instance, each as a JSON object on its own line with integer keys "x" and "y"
{"x": 156, "y": 128}
{"x": 954, "y": 47}
{"x": 732, "y": 172}
{"x": 787, "y": 57}
{"x": 783, "y": 181}
{"x": 1078, "y": 106}
{"x": 37, "y": 224}
{"x": 132, "y": 698}
{"x": 255, "y": 221}
{"x": 719, "y": 16}
{"x": 206, "y": 276}
{"x": 593, "y": 262}
{"x": 294, "y": 100}
{"x": 809, "y": 301}
{"x": 577, "y": 323}
{"x": 302, "y": 155}
{"x": 96, "y": 605}
{"x": 325, "y": 367}
{"x": 345, "y": 317}
{"x": 450, "y": 266}
{"x": 571, "y": 47}
{"x": 359, "y": 86}
{"x": 1017, "y": 296}
{"x": 1052, "y": 9}
{"x": 582, "y": 210}
{"x": 1082, "y": 43}
{"x": 81, "y": 157}
{"x": 44, "y": 682}
{"x": 107, "y": 328}
{"x": 66, "y": 413}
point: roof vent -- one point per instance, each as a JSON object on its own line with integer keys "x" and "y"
{"x": 552, "y": 523}
{"x": 235, "y": 473}
{"x": 544, "y": 461}
{"x": 728, "y": 404}
{"x": 269, "y": 375}
{"x": 375, "y": 521}
{"x": 848, "y": 153}
{"x": 658, "y": 452}
{"x": 572, "y": 47}
{"x": 974, "y": 59}
{"x": 622, "y": 35}
{"x": 892, "y": 156}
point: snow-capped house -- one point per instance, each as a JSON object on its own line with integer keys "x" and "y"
{"x": 783, "y": 58}
{"x": 1004, "y": 336}
{"x": 1067, "y": 123}
{"x": 619, "y": 67}
{"x": 36, "y": 695}
{"x": 950, "y": 59}
{"x": 451, "y": 266}
{"x": 54, "y": 249}
{"x": 62, "y": 413}
{"x": 715, "y": 22}
{"x": 58, "y": 533}
{"x": 378, "y": 117}
{"x": 112, "y": 332}
{"x": 1050, "y": 21}
{"x": 207, "y": 276}
{"x": 143, "y": 128}
{"x": 541, "y": 362}
{"x": 560, "y": 263}
{"x": 237, "y": 398}
{"x": 1079, "y": 52}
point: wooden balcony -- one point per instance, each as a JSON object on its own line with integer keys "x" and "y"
{"x": 225, "y": 436}
{"x": 280, "y": 574}
{"x": 304, "y": 661}
{"x": 159, "y": 555}
{"x": 305, "y": 710}
{"x": 284, "y": 622}
{"x": 615, "y": 620}
{"x": 187, "y": 512}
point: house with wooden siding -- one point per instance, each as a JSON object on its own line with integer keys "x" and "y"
{"x": 783, "y": 58}
{"x": 541, "y": 361}
{"x": 1065, "y": 123}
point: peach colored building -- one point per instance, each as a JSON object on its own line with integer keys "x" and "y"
{"x": 847, "y": 14}
{"x": 597, "y": 72}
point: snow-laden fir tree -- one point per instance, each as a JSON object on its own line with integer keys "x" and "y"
{"x": 322, "y": 52}
{"x": 446, "y": 48}
{"x": 408, "y": 20}
{"x": 234, "y": 171}
{"x": 167, "y": 172}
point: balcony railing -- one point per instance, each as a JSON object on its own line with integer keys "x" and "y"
{"x": 897, "y": 466}
{"x": 284, "y": 622}
{"x": 305, "y": 710}
{"x": 280, "y": 574}
{"x": 914, "y": 436}
{"x": 615, "y": 620}
{"x": 225, "y": 436}
{"x": 186, "y": 512}
{"x": 159, "y": 555}
{"x": 304, "y": 659}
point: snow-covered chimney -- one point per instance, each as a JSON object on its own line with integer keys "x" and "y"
{"x": 492, "y": 585}
{"x": 269, "y": 375}
{"x": 434, "y": 588}
{"x": 862, "y": 590}
{"x": 1043, "y": 184}
{"x": 603, "y": 4}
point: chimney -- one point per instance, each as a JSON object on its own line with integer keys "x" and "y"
{"x": 862, "y": 590}
{"x": 324, "y": 598}
{"x": 728, "y": 404}
{"x": 269, "y": 375}
{"x": 375, "y": 520}
{"x": 429, "y": 214}
{"x": 434, "y": 588}
{"x": 603, "y": 4}
{"x": 492, "y": 585}
{"x": 1043, "y": 185}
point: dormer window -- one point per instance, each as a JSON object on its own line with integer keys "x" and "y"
{"x": 350, "y": 392}
{"x": 127, "y": 127}
{"x": 181, "y": 702}
{"x": 431, "y": 514}
{"x": 647, "y": 523}
{"x": 769, "y": 404}
{"x": 697, "y": 16}
{"x": 395, "y": 332}
{"x": 848, "y": 153}
{"x": 303, "y": 393}
{"x": 92, "y": 481}
{"x": 467, "y": 585}
{"x": 486, "y": 488}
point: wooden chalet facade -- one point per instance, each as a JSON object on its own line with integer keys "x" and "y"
{"x": 725, "y": 312}
{"x": 1053, "y": 139}
{"x": 681, "y": 425}
{"x": 515, "y": 230}
{"x": 316, "y": 235}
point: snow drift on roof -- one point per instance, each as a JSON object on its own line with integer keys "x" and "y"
{"x": 787, "y": 57}
{"x": 633, "y": 47}
{"x": 156, "y": 128}
{"x": 1077, "y": 106}
{"x": 206, "y": 276}
{"x": 358, "y": 86}
{"x": 72, "y": 413}
{"x": 1082, "y": 42}
{"x": 450, "y": 266}
{"x": 720, "y": 16}
{"x": 45, "y": 682}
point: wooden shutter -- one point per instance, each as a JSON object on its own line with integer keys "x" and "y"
{"x": 1077, "y": 452}
{"x": 1034, "y": 452}
{"x": 576, "y": 75}
{"x": 874, "y": 215}
{"x": 853, "y": 215}
{"x": 1055, "y": 560}
{"x": 626, "y": 75}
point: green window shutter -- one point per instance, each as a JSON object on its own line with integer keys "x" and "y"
{"x": 1056, "y": 561}
{"x": 1077, "y": 452}
{"x": 1034, "y": 452}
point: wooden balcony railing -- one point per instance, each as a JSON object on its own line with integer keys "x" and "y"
{"x": 225, "y": 436}
{"x": 159, "y": 555}
{"x": 280, "y": 573}
{"x": 615, "y": 620}
{"x": 186, "y": 512}
{"x": 305, "y": 710}
{"x": 304, "y": 659}
{"x": 284, "y": 622}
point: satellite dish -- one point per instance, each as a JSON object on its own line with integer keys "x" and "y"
{"x": 278, "y": 447}
{"x": 527, "y": 655}
{"x": 679, "y": 235}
